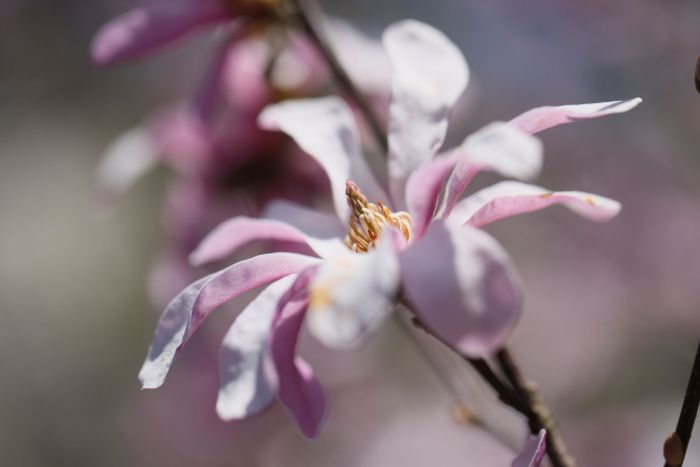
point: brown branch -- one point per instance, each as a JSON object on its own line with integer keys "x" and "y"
{"x": 538, "y": 414}
{"x": 676, "y": 444}
{"x": 309, "y": 23}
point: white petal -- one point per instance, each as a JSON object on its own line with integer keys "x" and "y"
{"x": 429, "y": 75}
{"x": 245, "y": 384}
{"x": 498, "y": 147}
{"x": 325, "y": 129}
{"x": 127, "y": 158}
{"x": 352, "y": 294}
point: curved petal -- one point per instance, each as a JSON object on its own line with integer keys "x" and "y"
{"x": 245, "y": 386}
{"x": 423, "y": 190}
{"x": 509, "y": 198}
{"x": 230, "y": 235}
{"x": 149, "y": 28}
{"x": 352, "y": 294}
{"x": 542, "y": 118}
{"x": 498, "y": 147}
{"x": 127, "y": 159}
{"x": 188, "y": 310}
{"x": 533, "y": 453}
{"x": 325, "y": 129}
{"x": 463, "y": 288}
{"x": 429, "y": 75}
{"x": 298, "y": 389}
{"x": 212, "y": 86}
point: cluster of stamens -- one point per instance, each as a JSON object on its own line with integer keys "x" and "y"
{"x": 368, "y": 220}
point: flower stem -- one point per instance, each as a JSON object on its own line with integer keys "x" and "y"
{"x": 676, "y": 444}
{"x": 538, "y": 414}
{"x": 310, "y": 25}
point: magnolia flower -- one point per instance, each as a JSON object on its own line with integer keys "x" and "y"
{"x": 378, "y": 247}
{"x": 294, "y": 66}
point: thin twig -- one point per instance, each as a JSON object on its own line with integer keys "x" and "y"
{"x": 309, "y": 23}
{"x": 539, "y": 416}
{"x": 505, "y": 393}
{"x": 676, "y": 444}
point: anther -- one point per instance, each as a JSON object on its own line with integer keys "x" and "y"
{"x": 367, "y": 220}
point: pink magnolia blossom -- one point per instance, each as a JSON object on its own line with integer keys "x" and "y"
{"x": 457, "y": 279}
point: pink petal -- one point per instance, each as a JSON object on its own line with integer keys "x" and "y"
{"x": 325, "y": 129}
{"x": 534, "y": 451}
{"x": 128, "y": 158}
{"x": 236, "y": 232}
{"x": 539, "y": 119}
{"x": 352, "y": 294}
{"x": 211, "y": 88}
{"x": 188, "y": 310}
{"x": 186, "y": 143}
{"x": 507, "y": 199}
{"x": 245, "y": 387}
{"x": 429, "y": 75}
{"x": 463, "y": 287}
{"x": 243, "y": 80}
{"x": 497, "y": 147}
{"x": 149, "y": 28}
{"x": 423, "y": 189}
{"x": 298, "y": 389}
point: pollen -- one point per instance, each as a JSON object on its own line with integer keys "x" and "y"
{"x": 368, "y": 220}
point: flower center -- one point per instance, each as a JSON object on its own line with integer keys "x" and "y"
{"x": 367, "y": 220}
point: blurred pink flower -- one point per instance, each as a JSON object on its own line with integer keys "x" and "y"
{"x": 224, "y": 165}
{"x": 159, "y": 23}
{"x": 458, "y": 280}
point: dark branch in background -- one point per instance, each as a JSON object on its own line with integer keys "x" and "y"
{"x": 539, "y": 416}
{"x": 309, "y": 22}
{"x": 517, "y": 392}
{"x": 697, "y": 75}
{"x": 676, "y": 444}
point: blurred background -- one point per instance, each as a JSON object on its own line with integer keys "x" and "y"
{"x": 612, "y": 311}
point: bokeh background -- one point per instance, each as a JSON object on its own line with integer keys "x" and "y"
{"x": 612, "y": 313}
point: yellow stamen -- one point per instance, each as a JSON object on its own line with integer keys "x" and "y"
{"x": 367, "y": 220}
